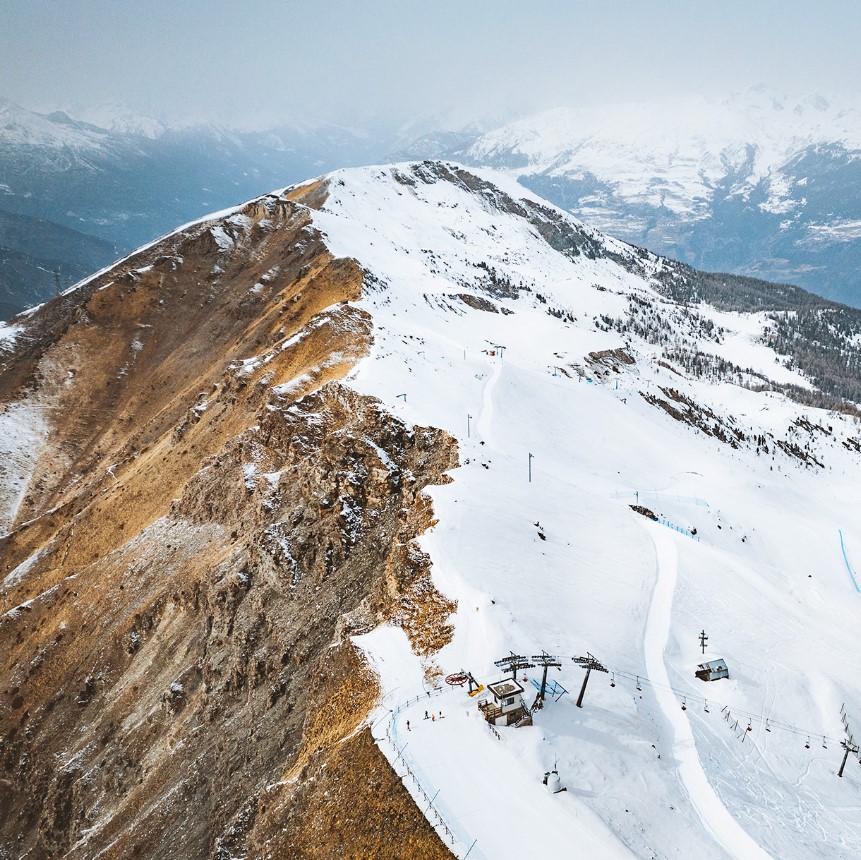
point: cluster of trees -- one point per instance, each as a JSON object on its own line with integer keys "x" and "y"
{"x": 822, "y": 339}
{"x": 728, "y": 292}
{"x": 824, "y": 344}
{"x": 562, "y": 314}
{"x": 677, "y": 324}
{"x": 498, "y": 284}
{"x": 714, "y": 367}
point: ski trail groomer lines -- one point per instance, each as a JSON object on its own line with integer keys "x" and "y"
{"x": 725, "y": 830}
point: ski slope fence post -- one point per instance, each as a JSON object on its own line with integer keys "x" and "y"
{"x": 643, "y": 495}
{"x": 680, "y": 529}
{"x": 445, "y": 817}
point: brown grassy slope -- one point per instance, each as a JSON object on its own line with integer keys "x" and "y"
{"x": 203, "y": 544}
{"x": 145, "y": 348}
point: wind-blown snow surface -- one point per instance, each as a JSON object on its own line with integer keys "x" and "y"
{"x": 765, "y": 577}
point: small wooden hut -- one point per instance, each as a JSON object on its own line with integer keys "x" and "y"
{"x": 712, "y": 671}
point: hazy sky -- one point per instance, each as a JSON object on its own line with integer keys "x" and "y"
{"x": 248, "y": 61}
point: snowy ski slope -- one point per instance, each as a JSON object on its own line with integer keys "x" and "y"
{"x": 766, "y": 579}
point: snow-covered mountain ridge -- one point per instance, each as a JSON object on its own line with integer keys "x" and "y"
{"x": 759, "y": 184}
{"x": 579, "y": 376}
{"x": 763, "y": 484}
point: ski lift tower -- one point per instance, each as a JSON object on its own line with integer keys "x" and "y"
{"x": 546, "y": 661}
{"x": 513, "y": 663}
{"x": 589, "y": 663}
{"x": 848, "y": 743}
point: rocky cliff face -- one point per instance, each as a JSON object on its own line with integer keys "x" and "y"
{"x": 197, "y": 515}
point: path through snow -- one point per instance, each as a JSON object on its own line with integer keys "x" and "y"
{"x": 485, "y": 420}
{"x": 715, "y": 817}
{"x": 486, "y": 786}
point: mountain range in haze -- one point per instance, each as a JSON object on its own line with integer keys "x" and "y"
{"x": 757, "y": 184}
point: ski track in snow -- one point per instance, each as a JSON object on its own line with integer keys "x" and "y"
{"x": 485, "y": 420}
{"x": 589, "y": 577}
{"x": 715, "y": 817}
{"x": 458, "y": 768}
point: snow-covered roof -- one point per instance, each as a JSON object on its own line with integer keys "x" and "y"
{"x": 505, "y": 688}
{"x": 713, "y": 666}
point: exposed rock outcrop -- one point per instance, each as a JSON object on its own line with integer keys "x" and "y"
{"x": 210, "y": 517}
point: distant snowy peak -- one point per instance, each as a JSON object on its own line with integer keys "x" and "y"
{"x": 122, "y": 121}
{"x": 672, "y": 129}
{"x": 23, "y": 128}
{"x": 757, "y": 183}
{"x": 674, "y": 156}
{"x": 95, "y": 128}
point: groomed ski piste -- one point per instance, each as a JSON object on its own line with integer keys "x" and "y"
{"x": 765, "y": 578}
{"x": 537, "y": 543}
